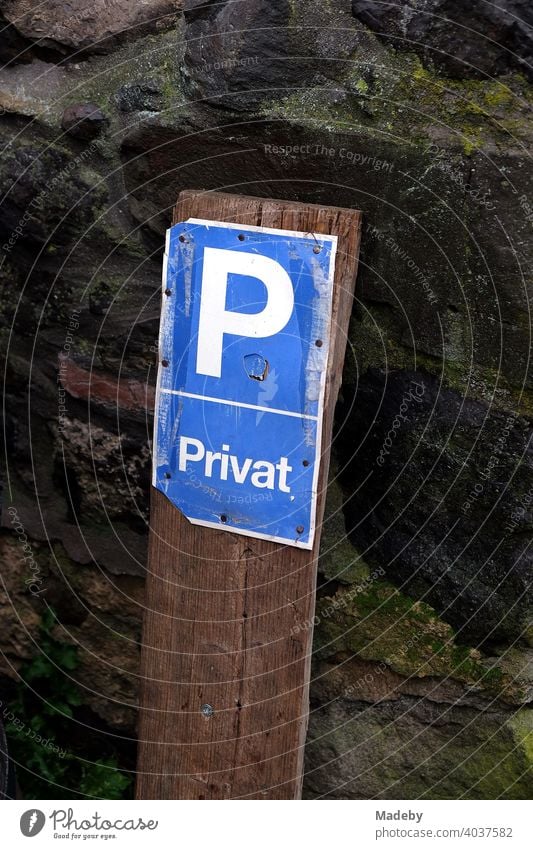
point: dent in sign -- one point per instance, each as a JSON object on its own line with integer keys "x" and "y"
{"x": 243, "y": 351}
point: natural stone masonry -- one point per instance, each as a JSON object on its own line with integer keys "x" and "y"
{"x": 422, "y": 674}
{"x": 78, "y": 26}
{"x": 466, "y": 39}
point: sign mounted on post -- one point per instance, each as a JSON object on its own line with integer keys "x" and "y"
{"x": 243, "y": 347}
{"x": 225, "y": 662}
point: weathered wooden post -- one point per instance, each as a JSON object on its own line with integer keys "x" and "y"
{"x": 228, "y": 619}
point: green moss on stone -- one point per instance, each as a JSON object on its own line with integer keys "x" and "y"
{"x": 374, "y": 621}
{"x": 155, "y": 57}
{"x": 339, "y": 560}
{"x": 373, "y": 337}
{"x": 497, "y": 94}
{"x": 410, "y": 104}
{"x": 522, "y": 727}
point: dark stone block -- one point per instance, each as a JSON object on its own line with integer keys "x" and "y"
{"x": 84, "y": 121}
{"x": 239, "y": 53}
{"x": 466, "y": 38}
{"x": 433, "y": 481}
{"x": 139, "y": 96}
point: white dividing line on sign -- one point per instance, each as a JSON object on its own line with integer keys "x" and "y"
{"x": 239, "y": 404}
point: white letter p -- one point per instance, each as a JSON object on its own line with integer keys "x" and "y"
{"x": 215, "y": 320}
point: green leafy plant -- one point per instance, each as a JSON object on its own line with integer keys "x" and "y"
{"x": 50, "y": 761}
{"x": 104, "y": 780}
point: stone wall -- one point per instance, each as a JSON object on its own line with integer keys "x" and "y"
{"x": 422, "y": 674}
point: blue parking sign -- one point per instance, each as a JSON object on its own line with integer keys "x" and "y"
{"x": 243, "y": 351}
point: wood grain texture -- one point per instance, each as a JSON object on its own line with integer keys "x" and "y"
{"x": 222, "y": 610}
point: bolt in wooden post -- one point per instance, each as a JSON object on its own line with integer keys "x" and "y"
{"x": 227, "y": 641}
